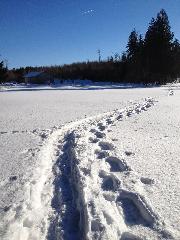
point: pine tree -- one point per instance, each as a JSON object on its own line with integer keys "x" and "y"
{"x": 158, "y": 48}
{"x": 132, "y": 46}
{"x": 135, "y": 49}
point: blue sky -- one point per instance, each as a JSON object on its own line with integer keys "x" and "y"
{"x": 48, "y": 32}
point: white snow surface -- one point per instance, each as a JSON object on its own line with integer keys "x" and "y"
{"x": 90, "y": 163}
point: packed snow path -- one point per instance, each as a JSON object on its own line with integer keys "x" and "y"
{"x": 83, "y": 189}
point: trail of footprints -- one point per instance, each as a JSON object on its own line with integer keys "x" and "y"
{"x": 135, "y": 209}
{"x": 37, "y": 132}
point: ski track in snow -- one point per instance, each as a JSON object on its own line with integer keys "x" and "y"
{"x": 83, "y": 190}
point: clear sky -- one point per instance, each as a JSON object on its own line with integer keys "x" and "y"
{"x": 48, "y": 32}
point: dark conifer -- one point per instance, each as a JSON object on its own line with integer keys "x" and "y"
{"x": 3, "y": 72}
{"x": 176, "y": 58}
{"x": 132, "y": 46}
{"x": 158, "y": 46}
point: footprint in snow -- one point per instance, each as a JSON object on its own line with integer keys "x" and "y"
{"x": 97, "y": 226}
{"x": 129, "y": 153}
{"x": 109, "y": 121}
{"x": 101, "y": 154}
{"x": 93, "y": 140}
{"x": 147, "y": 181}
{"x": 129, "y": 113}
{"x": 5, "y": 209}
{"x": 109, "y": 182}
{"x": 13, "y": 132}
{"x": 12, "y": 178}
{"x": 101, "y": 126}
{"x": 3, "y": 132}
{"x": 100, "y": 134}
{"x": 114, "y": 139}
{"x": 85, "y": 171}
{"x": 138, "y": 110}
{"x": 170, "y": 93}
{"x": 106, "y": 146}
{"x": 119, "y": 118}
{"x": 116, "y": 164}
{"x": 93, "y": 130}
{"x": 135, "y": 209}
{"x": 143, "y": 108}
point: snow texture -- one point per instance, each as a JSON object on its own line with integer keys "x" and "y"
{"x": 113, "y": 174}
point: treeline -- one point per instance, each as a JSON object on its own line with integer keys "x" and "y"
{"x": 109, "y": 70}
{"x": 154, "y": 58}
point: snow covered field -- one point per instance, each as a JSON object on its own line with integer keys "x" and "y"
{"x": 89, "y": 163}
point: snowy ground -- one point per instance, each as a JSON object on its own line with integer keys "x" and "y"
{"x": 97, "y": 163}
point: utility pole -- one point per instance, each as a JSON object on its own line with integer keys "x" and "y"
{"x": 6, "y": 63}
{"x": 99, "y": 55}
